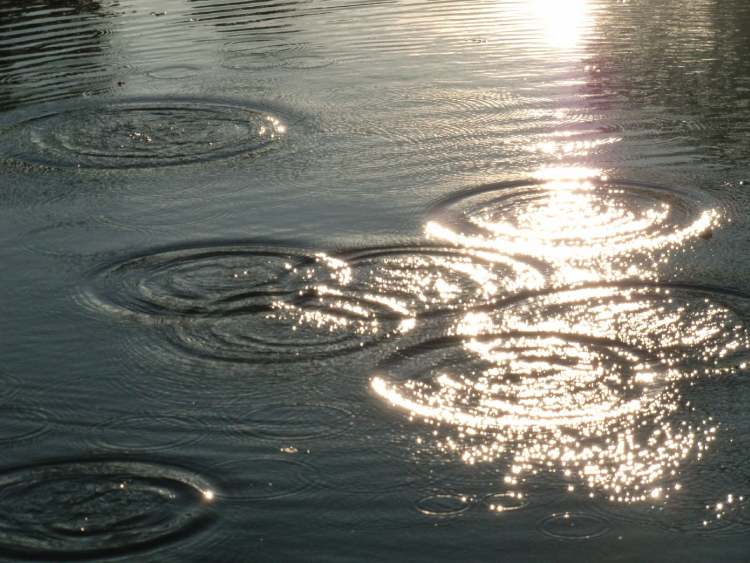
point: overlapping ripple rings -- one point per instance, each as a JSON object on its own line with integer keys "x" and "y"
{"x": 419, "y": 279}
{"x": 97, "y": 508}
{"x": 204, "y": 281}
{"x": 230, "y": 302}
{"x": 588, "y": 381}
{"x": 276, "y": 337}
{"x": 140, "y": 133}
{"x": 577, "y": 219}
{"x": 256, "y": 303}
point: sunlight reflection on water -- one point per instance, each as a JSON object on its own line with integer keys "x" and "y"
{"x": 588, "y": 381}
{"x": 590, "y": 228}
{"x": 204, "y": 176}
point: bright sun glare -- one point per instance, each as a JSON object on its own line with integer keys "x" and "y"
{"x": 562, "y": 20}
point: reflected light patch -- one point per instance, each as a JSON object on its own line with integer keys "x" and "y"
{"x": 407, "y": 282}
{"x": 570, "y": 147}
{"x": 588, "y": 227}
{"x": 563, "y": 21}
{"x": 564, "y": 173}
{"x": 587, "y": 382}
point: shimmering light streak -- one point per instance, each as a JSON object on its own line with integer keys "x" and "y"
{"x": 560, "y": 146}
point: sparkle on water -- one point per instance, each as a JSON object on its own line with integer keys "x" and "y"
{"x": 542, "y": 338}
{"x": 588, "y": 227}
{"x": 539, "y": 371}
{"x": 544, "y": 375}
{"x": 584, "y": 381}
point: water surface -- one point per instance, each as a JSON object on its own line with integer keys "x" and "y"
{"x": 346, "y": 281}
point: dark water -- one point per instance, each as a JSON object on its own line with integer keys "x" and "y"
{"x": 375, "y": 280}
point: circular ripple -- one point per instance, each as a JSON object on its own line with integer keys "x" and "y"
{"x": 504, "y": 502}
{"x": 297, "y": 421}
{"x": 18, "y": 424}
{"x": 574, "y": 526}
{"x": 245, "y": 60}
{"x": 141, "y": 133}
{"x": 90, "y": 509}
{"x": 443, "y": 505}
{"x": 174, "y": 72}
{"x": 612, "y": 217}
{"x": 287, "y": 335}
{"x": 209, "y": 281}
{"x": 412, "y": 280}
{"x": 263, "y": 478}
{"x": 149, "y": 432}
{"x": 514, "y": 380}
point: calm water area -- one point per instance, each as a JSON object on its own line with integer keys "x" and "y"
{"x": 375, "y": 280}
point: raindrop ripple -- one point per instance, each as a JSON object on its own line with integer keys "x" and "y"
{"x": 98, "y": 508}
{"x": 613, "y": 218}
{"x": 574, "y": 526}
{"x": 140, "y": 133}
{"x": 243, "y": 303}
{"x": 215, "y": 280}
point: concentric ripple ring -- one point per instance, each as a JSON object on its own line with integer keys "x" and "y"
{"x": 567, "y": 357}
{"x": 421, "y": 279}
{"x": 97, "y": 508}
{"x": 573, "y": 219}
{"x": 591, "y": 380}
{"x": 213, "y": 280}
{"x": 140, "y": 133}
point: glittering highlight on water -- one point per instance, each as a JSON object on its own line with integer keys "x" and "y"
{"x": 589, "y": 227}
{"x": 588, "y": 383}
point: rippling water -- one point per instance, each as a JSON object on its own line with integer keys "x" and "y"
{"x": 417, "y": 280}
